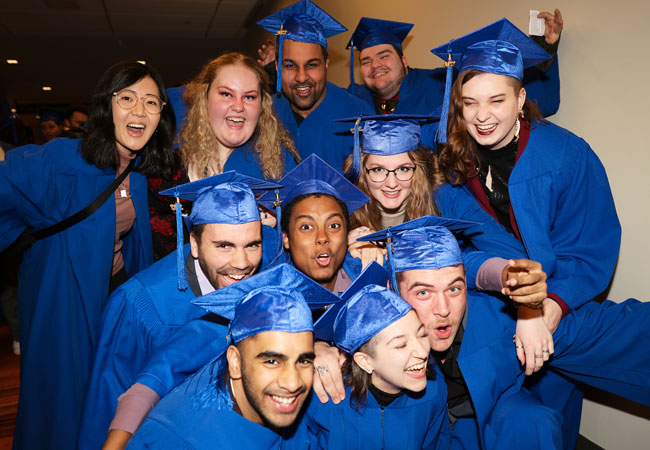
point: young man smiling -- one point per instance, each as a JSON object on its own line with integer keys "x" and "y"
{"x": 143, "y": 323}
{"x": 251, "y": 395}
{"x": 309, "y": 104}
{"x": 391, "y": 86}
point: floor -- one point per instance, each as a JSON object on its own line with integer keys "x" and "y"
{"x": 9, "y": 387}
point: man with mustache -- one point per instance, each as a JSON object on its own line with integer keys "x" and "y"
{"x": 391, "y": 86}
{"x": 149, "y": 318}
{"x": 250, "y": 396}
{"x": 308, "y": 103}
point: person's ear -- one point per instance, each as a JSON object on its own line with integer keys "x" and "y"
{"x": 285, "y": 241}
{"x": 364, "y": 361}
{"x": 194, "y": 246}
{"x": 234, "y": 362}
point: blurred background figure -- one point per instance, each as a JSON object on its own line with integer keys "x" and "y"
{"x": 51, "y": 122}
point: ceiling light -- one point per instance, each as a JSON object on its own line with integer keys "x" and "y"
{"x": 12, "y": 61}
{"x": 142, "y": 62}
{"x": 47, "y": 88}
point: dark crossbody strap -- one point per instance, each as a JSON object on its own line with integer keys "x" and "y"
{"x": 28, "y": 238}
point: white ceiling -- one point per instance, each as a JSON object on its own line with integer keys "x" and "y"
{"x": 67, "y": 44}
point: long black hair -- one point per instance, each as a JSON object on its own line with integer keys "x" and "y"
{"x": 99, "y": 147}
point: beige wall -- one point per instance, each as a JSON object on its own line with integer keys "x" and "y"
{"x": 600, "y": 43}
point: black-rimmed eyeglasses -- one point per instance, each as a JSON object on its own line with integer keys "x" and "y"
{"x": 379, "y": 174}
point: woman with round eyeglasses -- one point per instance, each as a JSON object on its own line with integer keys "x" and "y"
{"x": 230, "y": 125}
{"x": 399, "y": 176}
{"x": 66, "y": 277}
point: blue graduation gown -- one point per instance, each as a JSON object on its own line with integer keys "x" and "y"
{"x": 600, "y": 345}
{"x": 246, "y": 161}
{"x": 479, "y": 242}
{"x": 63, "y": 280}
{"x": 139, "y": 318}
{"x": 422, "y": 90}
{"x": 148, "y": 330}
{"x": 194, "y": 417}
{"x": 564, "y": 211}
{"x": 318, "y": 133}
{"x": 409, "y": 422}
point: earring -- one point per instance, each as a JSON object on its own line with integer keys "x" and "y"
{"x": 517, "y": 126}
{"x": 521, "y": 113}
{"x": 369, "y": 371}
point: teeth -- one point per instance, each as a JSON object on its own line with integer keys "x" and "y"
{"x": 323, "y": 255}
{"x": 237, "y": 277}
{"x": 136, "y": 125}
{"x": 285, "y": 401}
{"x": 485, "y": 127}
{"x": 303, "y": 89}
{"x": 416, "y": 367}
{"x": 235, "y": 119}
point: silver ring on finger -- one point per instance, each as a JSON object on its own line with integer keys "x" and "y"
{"x": 322, "y": 370}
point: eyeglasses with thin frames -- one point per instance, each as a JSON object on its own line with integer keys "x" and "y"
{"x": 379, "y": 174}
{"x": 127, "y": 99}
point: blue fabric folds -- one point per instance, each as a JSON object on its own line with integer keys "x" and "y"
{"x": 365, "y": 314}
{"x": 315, "y": 176}
{"x": 277, "y": 299}
{"x": 498, "y": 57}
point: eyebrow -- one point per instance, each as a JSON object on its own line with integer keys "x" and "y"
{"x": 231, "y": 89}
{"x": 272, "y": 354}
{"x": 309, "y": 61}
{"x": 308, "y": 355}
{"x": 223, "y": 243}
{"x": 255, "y": 242}
{"x": 428, "y": 285}
{"x": 394, "y": 338}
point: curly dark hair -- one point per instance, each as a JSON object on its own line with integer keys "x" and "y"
{"x": 98, "y": 146}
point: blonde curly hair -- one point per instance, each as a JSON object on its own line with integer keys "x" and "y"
{"x": 197, "y": 140}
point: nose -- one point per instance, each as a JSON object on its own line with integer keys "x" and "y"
{"x": 239, "y": 259}
{"x": 138, "y": 109}
{"x": 301, "y": 75}
{"x": 289, "y": 378}
{"x": 322, "y": 237}
{"x": 391, "y": 180}
{"x": 419, "y": 350}
{"x": 440, "y": 306}
{"x": 237, "y": 104}
{"x": 482, "y": 113}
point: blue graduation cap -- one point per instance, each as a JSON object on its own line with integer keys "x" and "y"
{"x": 365, "y": 314}
{"x": 371, "y": 32}
{"x": 303, "y": 22}
{"x": 313, "y": 176}
{"x": 373, "y": 274}
{"x": 500, "y": 48}
{"x": 224, "y": 198}
{"x": 47, "y": 114}
{"x": 277, "y": 299}
{"x": 384, "y": 134}
{"x": 423, "y": 243}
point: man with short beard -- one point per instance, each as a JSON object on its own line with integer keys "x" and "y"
{"x": 391, "y": 86}
{"x": 250, "y": 396}
{"x": 149, "y": 319}
{"x": 308, "y": 103}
